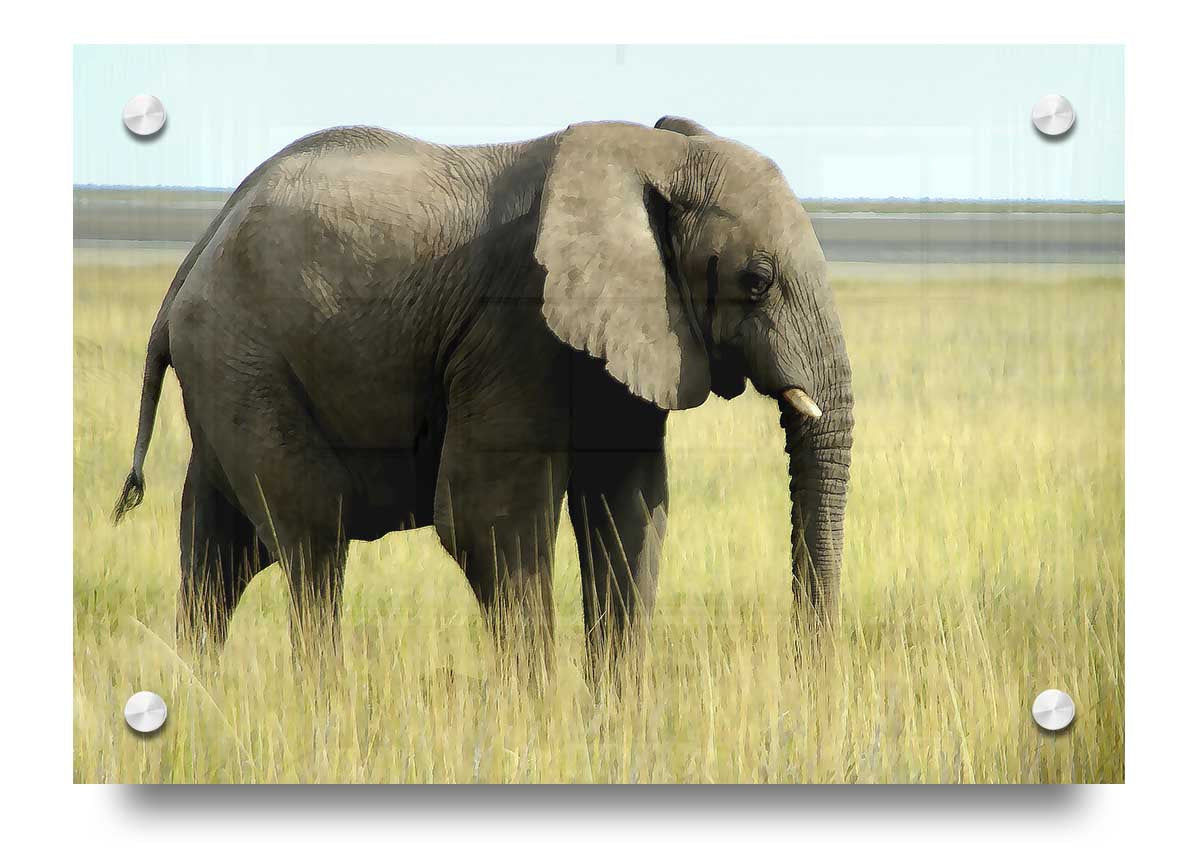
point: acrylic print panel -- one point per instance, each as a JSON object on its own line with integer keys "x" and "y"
{"x": 390, "y": 358}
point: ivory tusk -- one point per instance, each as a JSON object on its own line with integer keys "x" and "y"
{"x": 802, "y": 403}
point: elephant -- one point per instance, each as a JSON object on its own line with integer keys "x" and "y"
{"x": 377, "y": 333}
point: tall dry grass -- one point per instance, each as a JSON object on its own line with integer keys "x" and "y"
{"x": 984, "y": 562}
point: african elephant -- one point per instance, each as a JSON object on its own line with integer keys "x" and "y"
{"x": 378, "y": 333}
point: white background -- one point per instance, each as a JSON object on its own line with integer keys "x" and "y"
{"x": 1156, "y": 810}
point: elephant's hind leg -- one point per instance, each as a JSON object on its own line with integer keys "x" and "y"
{"x": 287, "y": 478}
{"x": 301, "y": 490}
{"x": 315, "y": 564}
{"x": 497, "y": 515}
{"x": 219, "y": 555}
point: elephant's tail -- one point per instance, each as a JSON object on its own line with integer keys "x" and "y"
{"x": 158, "y": 357}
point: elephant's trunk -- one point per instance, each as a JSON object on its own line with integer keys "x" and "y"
{"x": 819, "y": 468}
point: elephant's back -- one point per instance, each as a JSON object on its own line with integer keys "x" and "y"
{"x": 353, "y": 207}
{"x": 303, "y": 273}
{"x": 342, "y": 258}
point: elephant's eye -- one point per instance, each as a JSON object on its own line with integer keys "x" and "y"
{"x": 756, "y": 279}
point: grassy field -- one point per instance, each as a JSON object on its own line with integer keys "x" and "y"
{"x": 984, "y": 563}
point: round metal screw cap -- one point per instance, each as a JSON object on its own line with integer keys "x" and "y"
{"x": 144, "y": 115}
{"x": 1053, "y": 710}
{"x": 145, "y": 711}
{"x": 1053, "y": 115}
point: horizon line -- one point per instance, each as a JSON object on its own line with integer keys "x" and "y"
{"x": 856, "y": 199}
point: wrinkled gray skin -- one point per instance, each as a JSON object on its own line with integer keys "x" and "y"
{"x": 379, "y": 333}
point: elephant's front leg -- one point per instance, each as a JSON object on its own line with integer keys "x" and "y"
{"x": 618, "y": 505}
{"x": 497, "y": 513}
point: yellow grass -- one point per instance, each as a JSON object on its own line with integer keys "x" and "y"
{"x": 984, "y": 562}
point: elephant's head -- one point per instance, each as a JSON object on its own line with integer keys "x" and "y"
{"x": 686, "y": 263}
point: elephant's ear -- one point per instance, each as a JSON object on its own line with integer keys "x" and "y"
{"x": 682, "y": 125}
{"x": 608, "y": 288}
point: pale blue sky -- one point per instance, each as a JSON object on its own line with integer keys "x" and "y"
{"x": 864, "y": 121}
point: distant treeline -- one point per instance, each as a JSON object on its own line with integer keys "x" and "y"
{"x": 863, "y": 231}
{"x": 165, "y": 196}
{"x": 895, "y": 204}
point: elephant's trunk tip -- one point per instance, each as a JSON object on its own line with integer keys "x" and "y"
{"x": 131, "y": 495}
{"x": 799, "y": 400}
